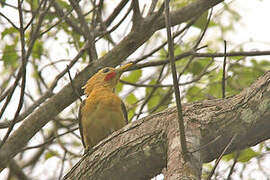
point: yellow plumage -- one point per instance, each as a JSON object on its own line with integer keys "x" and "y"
{"x": 103, "y": 111}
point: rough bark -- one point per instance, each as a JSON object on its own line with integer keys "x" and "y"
{"x": 49, "y": 109}
{"x": 142, "y": 148}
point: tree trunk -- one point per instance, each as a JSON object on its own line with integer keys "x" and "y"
{"x": 143, "y": 148}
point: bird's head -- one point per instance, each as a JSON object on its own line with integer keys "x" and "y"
{"x": 107, "y": 77}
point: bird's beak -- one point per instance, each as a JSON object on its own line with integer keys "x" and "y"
{"x": 121, "y": 69}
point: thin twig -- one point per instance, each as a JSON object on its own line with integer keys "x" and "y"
{"x": 49, "y": 141}
{"x": 29, "y": 110}
{"x": 219, "y": 158}
{"x": 115, "y": 12}
{"x": 204, "y": 30}
{"x": 23, "y": 74}
{"x": 204, "y": 72}
{"x": 48, "y": 93}
{"x": 152, "y": 7}
{"x": 69, "y": 21}
{"x": 13, "y": 25}
{"x": 35, "y": 13}
{"x": 136, "y": 12}
{"x": 36, "y": 29}
{"x": 116, "y": 26}
{"x": 206, "y": 145}
{"x": 72, "y": 86}
{"x": 163, "y": 44}
{"x": 233, "y": 165}
{"x": 81, "y": 18}
{"x": 87, "y": 33}
{"x": 175, "y": 82}
{"x": 74, "y": 60}
{"x": 164, "y": 99}
{"x": 11, "y": 91}
{"x": 58, "y": 22}
{"x": 196, "y": 54}
{"x": 146, "y": 100}
{"x": 2, "y": 2}
{"x": 224, "y": 70}
{"x": 62, "y": 165}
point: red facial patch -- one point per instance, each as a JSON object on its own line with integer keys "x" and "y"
{"x": 110, "y": 76}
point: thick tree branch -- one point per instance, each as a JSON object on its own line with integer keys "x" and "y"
{"x": 142, "y": 145}
{"x": 65, "y": 97}
{"x": 17, "y": 170}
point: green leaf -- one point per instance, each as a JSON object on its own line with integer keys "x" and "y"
{"x": 64, "y": 5}
{"x": 195, "y": 68}
{"x": 201, "y": 22}
{"x": 181, "y": 64}
{"x": 10, "y": 56}
{"x": 237, "y": 58}
{"x": 157, "y": 97}
{"x": 154, "y": 100}
{"x": 163, "y": 53}
{"x": 177, "y": 49}
{"x": 247, "y": 154}
{"x": 242, "y": 76}
{"x": 50, "y": 17}
{"x": 34, "y": 3}
{"x": 134, "y": 76}
{"x": 131, "y": 99}
{"x": 50, "y": 154}
{"x": 181, "y": 3}
{"x": 261, "y": 66}
{"x": 76, "y": 144}
{"x": 214, "y": 86}
{"x": 2, "y": 2}
{"x": 215, "y": 89}
{"x": 119, "y": 87}
{"x": 35, "y": 71}
{"x": 149, "y": 89}
{"x": 8, "y": 31}
{"x": 228, "y": 157}
{"x": 131, "y": 113}
{"x": 194, "y": 93}
{"x": 130, "y": 102}
{"x": 37, "y": 49}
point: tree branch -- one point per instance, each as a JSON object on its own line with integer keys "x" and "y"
{"x": 142, "y": 145}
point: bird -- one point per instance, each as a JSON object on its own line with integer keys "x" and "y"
{"x": 102, "y": 112}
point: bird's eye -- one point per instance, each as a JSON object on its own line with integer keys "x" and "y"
{"x": 106, "y": 70}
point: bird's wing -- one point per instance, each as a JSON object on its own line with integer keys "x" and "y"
{"x": 80, "y": 122}
{"x": 124, "y": 109}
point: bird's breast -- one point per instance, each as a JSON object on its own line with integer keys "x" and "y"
{"x": 103, "y": 101}
{"x": 102, "y": 115}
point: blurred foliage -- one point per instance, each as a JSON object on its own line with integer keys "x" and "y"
{"x": 157, "y": 97}
{"x": 245, "y": 155}
{"x": 10, "y": 59}
{"x": 51, "y": 154}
